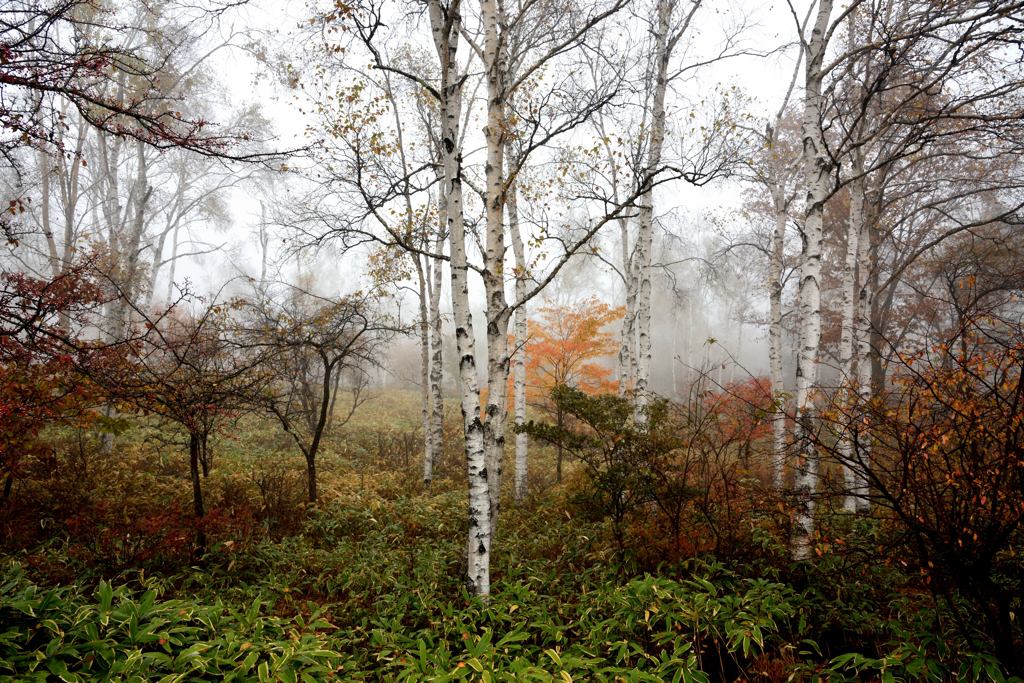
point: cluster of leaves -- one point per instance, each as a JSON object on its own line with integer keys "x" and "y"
{"x": 566, "y": 346}
{"x": 121, "y": 634}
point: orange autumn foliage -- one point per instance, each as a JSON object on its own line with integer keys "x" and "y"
{"x": 566, "y": 346}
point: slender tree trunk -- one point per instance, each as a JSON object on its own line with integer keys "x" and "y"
{"x": 559, "y": 453}
{"x": 47, "y": 225}
{"x": 627, "y": 347}
{"x": 816, "y": 166}
{"x": 521, "y": 331}
{"x": 176, "y": 210}
{"x": 204, "y": 454}
{"x": 311, "y": 489}
{"x": 446, "y": 26}
{"x": 675, "y": 349}
{"x": 775, "y": 342}
{"x": 126, "y": 274}
{"x": 865, "y": 305}
{"x": 425, "y": 397}
{"x": 69, "y": 190}
{"x": 497, "y": 309}
{"x": 194, "y": 441}
{"x": 172, "y": 266}
{"x": 325, "y": 410}
{"x": 436, "y": 357}
{"x": 422, "y": 279}
{"x": 131, "y": 248}
{"x": 110, "y": 204}
{"x": 847, "y": 359}
{"x": 645, "y": 234}
{"x": 264, "y": 237}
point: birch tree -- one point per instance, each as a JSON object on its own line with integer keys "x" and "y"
{"x": 514, "y": 49}
{"x": 533, "y": 109}
{"x": 446, "y": 28}
{"x": 776, "y": 170}
{"x": 666, "y": 35}
{"x": 703, "y": 153}
{"x": 817, "y": 167}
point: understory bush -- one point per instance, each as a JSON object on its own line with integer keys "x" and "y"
{"x": 664, "y": 556}
{"x": 371, "y": 589}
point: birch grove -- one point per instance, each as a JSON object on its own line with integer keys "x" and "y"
{"x": 495, "y": 149}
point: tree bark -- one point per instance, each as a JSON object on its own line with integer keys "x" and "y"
{"x": 521, "y": 331}
{"x": 47, "y": 226}
{"x": 446, "y": 25}
{"x": 847, "y": 359}
{"x": 425, "y": 395}
{"x": 311, "y": 488}
{"x": 865, "y": 305}
{"x": 497, "y": 309}
{"x": 775, "y": 273}
{"x": 436, "y": 357}
{"x": 645, "y": 233}
{"x": 198, "y": 510}
{"x": 816, "y": 165}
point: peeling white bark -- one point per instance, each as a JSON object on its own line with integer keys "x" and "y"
{"x": 816, "y": 167}
{"x": 520, "y": 329}
{"x": 645, "y": 232}
{"x": 498, "y": 313}
{"x": 775, "y": 341}
{"x": 865, "y": 304}
{"x": 436, "y": 357}
{"x": 425, "y": 398}
{"x": 446, "y": 24}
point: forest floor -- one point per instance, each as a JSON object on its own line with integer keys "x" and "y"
{"x": 100, "y": 580}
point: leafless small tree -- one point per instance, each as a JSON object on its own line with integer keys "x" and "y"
{"x": 309, "y": 345}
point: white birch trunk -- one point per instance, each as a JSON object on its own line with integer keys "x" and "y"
{"x": 446, "y": 25}
{"x": 675, "y": 350}
{"x": 645, "y": 233}
{"x": 172, "y": 265}
{"x": 436, "y": 357}
{"x": 816, "y": 168}
{"x": 520, "y": 329}
{"x": 47, "y": 225}
{"x": 176, "y": 213}
{"x": 70, "y": 193}
{"x": 497, "y": 310}
{"x": 627, "y": 349}
{"x": 847, "y": 360}
{"x": 264, "y": 237}
{"x": 865, "y": 303}
{"x": 131, "y": 248}
{"x": 775, "y": 342}
{"x": 627, "y": 345}
{"x": 425, "y": 398}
